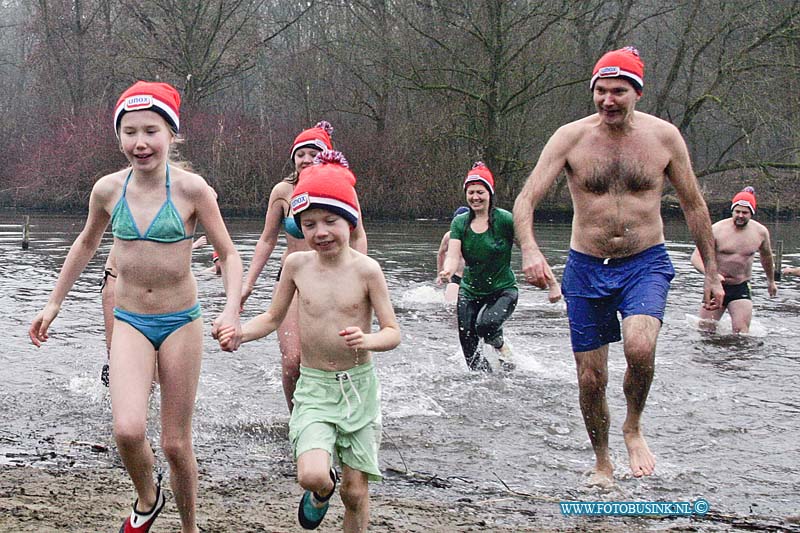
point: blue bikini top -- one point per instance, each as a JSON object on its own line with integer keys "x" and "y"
{"x": 167, "y": 226}
{"x": 290, "y": 226}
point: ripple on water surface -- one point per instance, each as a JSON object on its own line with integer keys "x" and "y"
{"x": 721, "y": 416}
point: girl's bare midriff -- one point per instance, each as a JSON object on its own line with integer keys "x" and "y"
{"x": 153, "y": 277}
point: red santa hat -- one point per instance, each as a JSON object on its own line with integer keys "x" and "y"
{"x": 622, "y": 63}
{"x": 162, "y": 98}
{"x": 318, "y": 138}
{"x": 480, "y": 173}
{"x": 327, "y": 184}
{"x": 746, "y": 198}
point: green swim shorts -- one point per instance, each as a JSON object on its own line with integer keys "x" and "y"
{"x": 339, "y": 412}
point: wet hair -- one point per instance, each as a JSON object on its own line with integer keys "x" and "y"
{"x": 174, "y": 157}
{"x": 292, "y": 178}
{"x": 294, "y": 175}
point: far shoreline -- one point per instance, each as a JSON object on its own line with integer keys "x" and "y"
{"x": 547, "y": 214}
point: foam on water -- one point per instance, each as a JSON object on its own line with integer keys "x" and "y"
{"x": 724, "y": 327}
{"x": 535, "y": 360}
{"x": 88, "y": 387}
{"x": 424, "y": 295}
{"x": 538, "y": 301}
{"x": 405, "y": 401}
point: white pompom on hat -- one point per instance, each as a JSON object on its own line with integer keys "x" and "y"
{"x": 327, "y": 184}
{"x": 747, "y": 198}
{"x": 480, "y": 173}
{"x": 318, "y": 138}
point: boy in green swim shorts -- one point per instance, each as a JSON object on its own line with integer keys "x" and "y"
{"x": 337, "y": 400}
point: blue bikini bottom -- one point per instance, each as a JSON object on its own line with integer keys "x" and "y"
{"x": 158, "y": 327}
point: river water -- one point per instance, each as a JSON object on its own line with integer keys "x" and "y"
{"x": 722, "y": 416}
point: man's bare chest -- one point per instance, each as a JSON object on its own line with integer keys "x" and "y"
{"x": 613, "y": 168}
{"x": 738, "y": 245}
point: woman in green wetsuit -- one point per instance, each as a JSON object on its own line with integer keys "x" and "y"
{"x": 306, "y": 146}
{"x": 488, "y": 290}
{"x": 154, "y": 206}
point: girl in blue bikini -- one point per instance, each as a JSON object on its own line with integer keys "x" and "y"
{"x": 306, "y": 146}
{"x": 154, "y": 206}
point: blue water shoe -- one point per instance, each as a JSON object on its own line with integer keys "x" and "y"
{"x": 313, "y": 507}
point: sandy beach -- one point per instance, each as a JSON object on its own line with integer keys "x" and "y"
{"x": 97, "y": 499}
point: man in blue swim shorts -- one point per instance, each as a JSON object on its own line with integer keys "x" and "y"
{"x": 595, "y": 289}
{"x": 617, "y": 162}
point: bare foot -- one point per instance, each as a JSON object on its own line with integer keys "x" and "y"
{"x": 643, "y": 462}
{"x": 602, "y": 479}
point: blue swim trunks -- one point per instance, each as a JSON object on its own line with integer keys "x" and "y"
{"x": 596, "y": 288}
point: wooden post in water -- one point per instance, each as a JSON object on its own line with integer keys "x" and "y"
{"x": 26, "y": 232}
{"x": 779, "y": 243}
{"x": 778, "y": 260}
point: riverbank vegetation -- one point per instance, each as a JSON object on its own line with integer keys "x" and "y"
{"x": 416, "y": 90}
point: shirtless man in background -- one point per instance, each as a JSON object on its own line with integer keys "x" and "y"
{"x": 738, "y": 238}
{"x": 616, "y": 162}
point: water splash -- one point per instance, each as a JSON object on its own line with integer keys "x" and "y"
{"x": 723, "y": 326}
{"x": 425, "y": 295}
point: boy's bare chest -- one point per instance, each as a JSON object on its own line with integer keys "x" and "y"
{"x": 320, "y": 297}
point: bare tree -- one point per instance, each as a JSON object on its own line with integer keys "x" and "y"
{"x": 721, "y": 82}
{"x": 72, "y": 57}
{"x": 361, "y": 50}
{"x": 415, "y": 89}
{"x": 495, "y": 57}
{"x": 205, "y": 45}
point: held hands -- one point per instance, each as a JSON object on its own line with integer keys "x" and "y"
{"x": 38, "y": 330}
{"x": 444, "y": 277}
{"x": 228, "y": 331}
{"x": 226, "y": 337}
